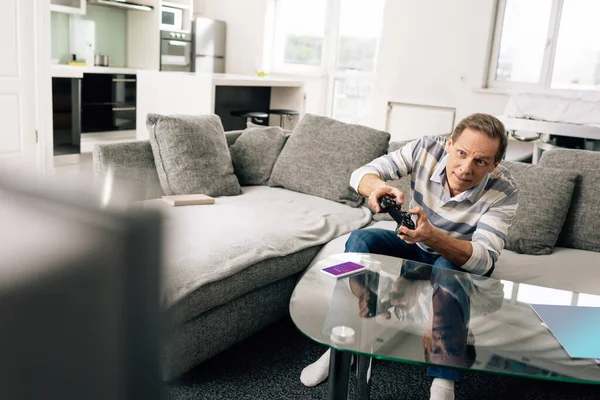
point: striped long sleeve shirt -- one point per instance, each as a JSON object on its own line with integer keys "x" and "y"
{"x": 481, "y": 215}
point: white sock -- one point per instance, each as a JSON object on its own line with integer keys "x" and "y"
{"x": 316, "y": 372}
{"x": 442, "y": 389}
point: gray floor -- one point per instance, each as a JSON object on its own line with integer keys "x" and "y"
{"x": 78, "y": 164}
{"x": 268, "y": 365}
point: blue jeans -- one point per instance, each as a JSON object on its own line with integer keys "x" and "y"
{"x": 386, "y": 242}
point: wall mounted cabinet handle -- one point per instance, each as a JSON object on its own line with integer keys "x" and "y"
{"x": 123, "y": 80}
{"x": 123, "y": 109}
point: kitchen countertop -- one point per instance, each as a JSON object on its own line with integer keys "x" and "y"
{"x": 233, "y": 80}
{"x": 229, "y": 79}
{"x": 72, "y": 71}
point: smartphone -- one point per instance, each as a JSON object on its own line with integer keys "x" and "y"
{"x": 343, "y": 269}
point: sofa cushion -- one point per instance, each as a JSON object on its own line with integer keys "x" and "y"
{"x": 556, "y": 270}
{"x": 543, "y": 196}
{"x": 191, "y": 155}
{"x": 263, "y": 273}
{"x": 580, "y": 230}
{"x": 208, "y": 243}
{"x": 322, "y": 153}
{"x": 249, "y": 124}
{"x": 232, "y": 136}
{"x": 254, "y": 153}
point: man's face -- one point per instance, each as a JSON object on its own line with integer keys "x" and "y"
{"x": 470, "y": 158}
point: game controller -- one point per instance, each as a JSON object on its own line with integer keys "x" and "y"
{"x": 391, "y": 206}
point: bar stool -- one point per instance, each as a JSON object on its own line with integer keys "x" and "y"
{"x": 256, "y": 117}
{"x": 284, "y": 113}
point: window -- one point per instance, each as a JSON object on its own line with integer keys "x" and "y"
{"x": 546, "y": 44}
{"x": 358, "y": 37}
{"x": 337, "y": 39}
{"x": 353, "y": 75}
{"x": 299, "y": 38}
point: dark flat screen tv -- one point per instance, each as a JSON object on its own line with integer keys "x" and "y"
{"x": 79, "y": 297}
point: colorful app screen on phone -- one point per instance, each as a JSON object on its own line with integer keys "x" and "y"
{"x": 343, "y": 268}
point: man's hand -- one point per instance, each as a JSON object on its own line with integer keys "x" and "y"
{"x": 456, "y": 251}
{"x": 424, "y": 231}
{"x": 379, "y": 192}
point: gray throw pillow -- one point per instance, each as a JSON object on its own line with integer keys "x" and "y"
{"x": 254, "y": 153}
{"x": 544, "y": 195}
{"x": 191, "y": 155}
{"x": 250, "y": 124}
{"x": 322, "y": 153}
{"x": 580, "y": 230}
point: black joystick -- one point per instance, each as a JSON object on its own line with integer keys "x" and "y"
{"x": 391, "y": 206}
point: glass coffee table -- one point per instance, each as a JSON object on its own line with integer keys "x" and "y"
{"x": 409, "y": 312}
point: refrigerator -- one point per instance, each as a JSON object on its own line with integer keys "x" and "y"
{"x": 209, "y": 45}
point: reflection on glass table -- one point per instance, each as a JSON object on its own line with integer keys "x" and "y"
{"x": 409, "y": 312}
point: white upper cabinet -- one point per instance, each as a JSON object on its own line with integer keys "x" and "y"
{"x": 68, "y": 6}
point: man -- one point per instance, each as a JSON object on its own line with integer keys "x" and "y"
{"x": 463, "y": 200}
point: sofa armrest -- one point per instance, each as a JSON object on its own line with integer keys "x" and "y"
{"x": 131, "y": 166}
{"x": 124, "y": 157}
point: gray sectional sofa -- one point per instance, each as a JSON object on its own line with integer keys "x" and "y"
{"x": 230, "y": 268}
{"x": 557, "y": 224}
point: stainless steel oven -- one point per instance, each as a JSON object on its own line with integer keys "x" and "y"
{"x": 176, "y": 51}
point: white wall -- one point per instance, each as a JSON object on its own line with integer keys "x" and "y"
{"x": 245, "y": 32}
{"x": 434, "y": 52}
{"x": 199, "y": 6}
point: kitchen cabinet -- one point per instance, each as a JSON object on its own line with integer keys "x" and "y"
{"x": 66, "y": 125}
{"x": 68, "y": 6}
{"x": 108, "y": 102}
{"x": 91, "y": 107}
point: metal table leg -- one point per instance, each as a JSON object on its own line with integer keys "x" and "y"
{"x": 339, "y": 375}
{"x": 363, "y": 377}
